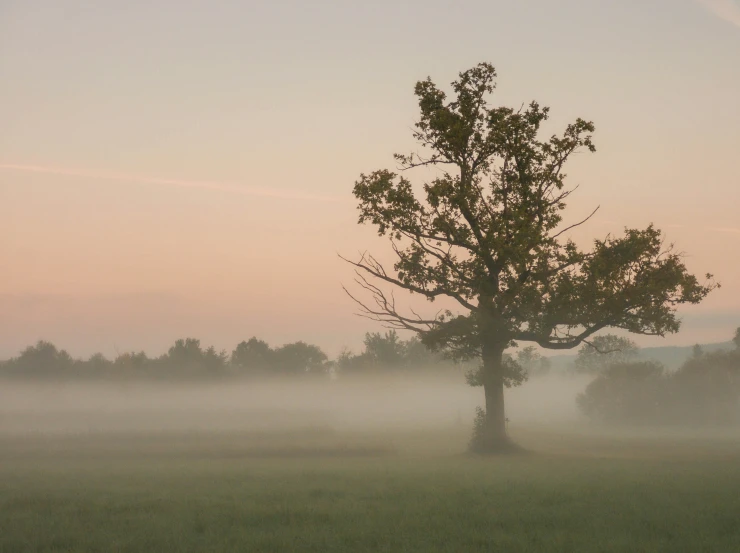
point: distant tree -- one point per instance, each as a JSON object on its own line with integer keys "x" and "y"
{"x": 389, "y": 353}
{"x": 626, "y": 393}
{"x": 185, "y": 353}
{"x": 299, "y": 358}
{"x": 603, "y": 351}
{"x": 704, "y": 390}
{"x": 697, "y": 351}
{"x": 42, "y": 358}
{"x": 385, "y": 351}
{"x": 98, "y": 364}
{"x": 532, "y": 362}
{"x": 187, "y": 357}
{"x": 252, "y": 356}
{"x": 214, "y": 361}
{"x": 417, "y": 355}
{"x": 736, "y": 339}
{"x": 131, "y": 361}
{"x": 349, "y": 363}
{"x": 487, "y": 233}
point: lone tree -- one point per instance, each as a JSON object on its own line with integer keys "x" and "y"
{"x": 485, "y": 231}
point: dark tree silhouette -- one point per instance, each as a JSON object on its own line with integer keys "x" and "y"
{"x": 625, "y": 392}
{"x": 136, "y": 361}
{"x": 388, "y": 353}
{"x": 253, "y": 356}
{"x": 42, "y": 359}
{"x": 385, "y": 350}
{"x": 704, "y": 390}
{"x": 300, "y": 358}
{"x": 487, "y": 232}
{"x": 185, "y": 354}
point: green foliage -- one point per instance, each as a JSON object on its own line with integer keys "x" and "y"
{"x": 704, "y": 390}
{"x": 188, "y": 357}
{"x": 603, "y": 351}
{"x": 487, "y": 232}
{"x": 514, "y": 373}
{"x": 184, "y": 359}
{"x": 213, "y": 360}
{"x": 99, "y": 364}
{"x": 625, "y": 393}
{"x": 185, "y": 352}
{"x": 41, "y": 359}
{"x": 252, "y": 355}
{"x": 131, "y": 361}
{"x": 388, "y": 352}
{"x": 532, "y": 362}
{"x": 385, "y": 350}
{"x": 299, "y": 358}
{"x": 349, "y": 363}
{"x": 697, "y": 351}
{"x": 419, "y": 356}
{"x": 480, "y": 433}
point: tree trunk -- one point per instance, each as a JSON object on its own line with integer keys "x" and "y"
{"x": 491, "y": 434}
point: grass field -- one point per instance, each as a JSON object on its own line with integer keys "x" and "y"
{"x": 407, "y": 491}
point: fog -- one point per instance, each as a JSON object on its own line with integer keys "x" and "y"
{"x": 381, "y": 403}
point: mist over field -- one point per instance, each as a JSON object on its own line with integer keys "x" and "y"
{"x": 283, "y": 449}
{"x": 391, "y": 385}
{"x": 372, "y": 403}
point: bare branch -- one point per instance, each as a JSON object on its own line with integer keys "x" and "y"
{"x": 386, "y": 312}
{"x": 602, "y": 352}
{"x": 373, "y": 267}
{"x": 576, "y": 224}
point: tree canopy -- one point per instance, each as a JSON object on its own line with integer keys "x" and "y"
{"x": 487, "y": 232}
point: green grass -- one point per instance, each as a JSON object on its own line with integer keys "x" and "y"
{"x": 328, "y": 492}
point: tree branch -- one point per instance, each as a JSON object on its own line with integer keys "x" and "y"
{"x": 374, "y": 268}
{"x": 568, "y": 342}
{"x": 386, "y": 312}
{"x": 576, "y": 224}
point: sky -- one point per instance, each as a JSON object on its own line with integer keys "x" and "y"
{"x": 172, "y": 169}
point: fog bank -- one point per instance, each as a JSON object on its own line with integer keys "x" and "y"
{"x": 377, "y": 403}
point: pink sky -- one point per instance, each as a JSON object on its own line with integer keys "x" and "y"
{"x": 168, "y": 173}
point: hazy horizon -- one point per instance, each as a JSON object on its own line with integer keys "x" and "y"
{"x": 167, "y": 173}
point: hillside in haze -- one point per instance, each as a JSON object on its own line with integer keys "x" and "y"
{"x": 671, "y": 357}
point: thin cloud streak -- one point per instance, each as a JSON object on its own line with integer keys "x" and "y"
{"x": 729, "y": 10}
{"x": 204, "y": 185}
{"x": 730, "y": 230}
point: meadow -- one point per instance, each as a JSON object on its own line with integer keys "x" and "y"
{"x": 409, "y": 490}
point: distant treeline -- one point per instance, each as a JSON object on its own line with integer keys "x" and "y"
{"x": 705, "y": 390}
{"x": 251, "y": 358}
{"x": 624, "y": 389}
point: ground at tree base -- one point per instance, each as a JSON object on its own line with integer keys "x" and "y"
{"x": 506, "y": 446}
